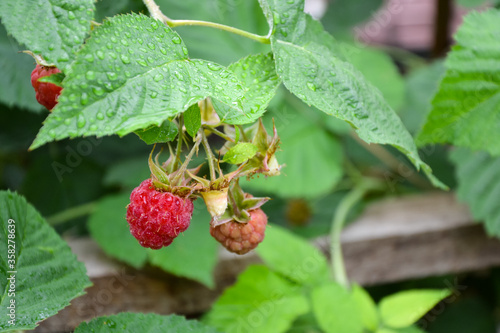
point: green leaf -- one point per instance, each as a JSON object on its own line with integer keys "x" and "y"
{"x": 312, "y": 158}
{"x": 192, "y": 119}
{"x": 410, "y": 329}
{"x": 193, "y": 254}
{"x": 127, "y": 322}
{"x": 119, "y": 85}
{"x": 195, "y": 246}
{"x": 128, "y": 172}
{"x": 54, "y": 29}
{"x": 15, "y": 83}
{"x": 378, "y": 69}
{"x": 406, "y": 307}
{"x": 261, "y": 82}
{"x": 421, "y": 86}
{"x": 240, "y": 153}
{"x": 312, "y": 67}
{"x": 478, "y": 175}
{"x": 465, "y": 109}
{"x": 259, "y": 302}
{"x": 342, "y": 15}
{"x": 366, "y": 307}
{"x": 108, "y": 227}
{"x": 166, "y": 132}
{"x": 336, "y": 309}
{"x": 47, "y": 275}
{"x": 293, "y": 257}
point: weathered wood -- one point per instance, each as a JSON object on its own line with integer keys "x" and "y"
{"x": 393, "y": 240}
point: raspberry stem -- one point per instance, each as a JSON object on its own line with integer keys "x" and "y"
{"x": 179, "y": 143}
{"x": 339, "y": 218}
{"x": 156, "y": 13}
{"x": 210, "y": 156}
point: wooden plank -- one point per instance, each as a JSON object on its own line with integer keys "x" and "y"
{"x": 393, "y": 240}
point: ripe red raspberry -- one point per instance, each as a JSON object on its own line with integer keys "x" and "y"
{"x": 241, "y": 237}
{"x": 155, "y": 217}
{"x": 46, "y": 93}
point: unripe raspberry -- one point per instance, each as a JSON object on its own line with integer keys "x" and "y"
{"x": 241, "y": 237}
{"x": 155, "y": 217}
{"x": 46, "y": 92}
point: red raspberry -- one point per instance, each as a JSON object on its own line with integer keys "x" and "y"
{"x": 241, "y": 237}
{"x": 46, "y": 93}
{"x": 155, "y": 217}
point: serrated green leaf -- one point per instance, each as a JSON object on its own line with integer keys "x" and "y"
{"x": 259, "y": 302}
{"x": 56, "y": 78}
{"x": 366, "y": 306}
{"x": 293, "y": 257}
{"x": 421, "y": 86}
{"x": 478, "y": 175}
{"x": 192, "y": 119}
{"x": 336, "y": 310}
{"x": 406, "y": 307}
{"x": 378, "y": 69}
{"x": 110, "y": 230}
{"x": 47, "y": 275}
{"x": 166, "y": 132}
{"x": 16, "y": 68}
{"x": 261, "y": 82}
{"x": 465, "y": 109}
{"x": 193, "y": 254}
{"x": 312, "y": 159}
{"x": 195, "y": 246}
{"x": 312, "y": 67}
{"x": 127, "y": 322}
{"x": 121, "y": 84}
{"x": 53, "y": 29}
{"x": 240, "y": 153}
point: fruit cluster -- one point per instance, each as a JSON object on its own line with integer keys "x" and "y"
{"x": 161, "y": 207}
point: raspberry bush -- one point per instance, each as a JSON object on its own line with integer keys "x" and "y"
{"x": 186, "y": 138}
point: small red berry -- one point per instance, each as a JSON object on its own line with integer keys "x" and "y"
{"x": 241, "y": 237}
{"x": 46, "y": 93}
{"x": 155, "y": 217}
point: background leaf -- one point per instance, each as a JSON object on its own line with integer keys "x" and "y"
{"x": 119, "y": 85}
{"x": 207, "y": 43}
{"x": 260, "y": 302}
{"x": 465, "y": 109}
{"x": 406, "y": 307}
{"x": 127, "y": 322}
{"x": 478, "y": 175}
{"x": 379, "y": 69}
{"x": 336, "y": 309}
{"x": 312, "y": 67}
{"x": 54, "y": 29}
{"x": 293, "y": 257}
{"x": 15, "y": 82}
{"x": 421, "y": 86}
{"x": 48, "y": 275}
{"x": 110, "y": 230}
